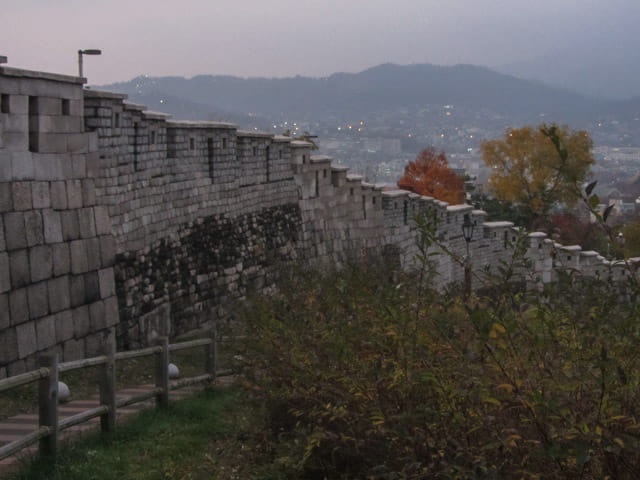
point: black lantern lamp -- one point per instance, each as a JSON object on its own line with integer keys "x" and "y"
{"x": 467, "y": 230}
{"x": 467, "y": 233}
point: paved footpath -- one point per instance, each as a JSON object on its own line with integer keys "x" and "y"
{"x": 16, "y": 427}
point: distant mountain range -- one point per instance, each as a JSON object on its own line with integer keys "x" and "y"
{"x": 601, "y": 67}
{"x": 386, "y": 87}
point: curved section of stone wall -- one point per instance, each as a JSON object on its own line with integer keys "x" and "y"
{"x": 115, "y": 216}
{"x": 185, "y": 282}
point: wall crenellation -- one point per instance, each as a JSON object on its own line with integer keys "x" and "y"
{"x": 115, "y": 216}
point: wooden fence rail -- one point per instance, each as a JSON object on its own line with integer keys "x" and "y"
{"x": 47, "y": 377}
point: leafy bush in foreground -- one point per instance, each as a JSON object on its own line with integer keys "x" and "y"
{"x": 372, "y": 374}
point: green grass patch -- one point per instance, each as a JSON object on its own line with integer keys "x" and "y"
{"x": 195, "y": 438}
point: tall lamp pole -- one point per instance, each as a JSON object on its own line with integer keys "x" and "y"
{"x": 467, "y": 233}
{"x": 90, "y": 51}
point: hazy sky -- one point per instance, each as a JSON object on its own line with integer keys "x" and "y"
{"x": 313, "y": 38}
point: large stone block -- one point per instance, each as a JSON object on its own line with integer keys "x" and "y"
{"x": 6, "y": 197}
{"x": 73, "y": 350}
{"x": 59, "y": 195}
{"x": 5, "y": 169}
{"x": 5, "y": 278}
{"x": 80, "y": 321}
{"x": 52, "y": 226}
{"x": 64, "y": 326}
{"x": 48, "y": 105}
{"x": 38, "y": 300}
{"x": 52, "y": 143}
{"x": 79, "y": 261}
{"x": 8, "y": 346}
{"x": 22, "y": 167}
{"x": 70, "y": 226}
{"x": 107, "y": 250}
{"x": 93, "y": 162}
{"x": 3, "y": 242}
{"x": 93, "y": 253}
{"x": 88, "y": 192}
{"x": 49, "y": 167}
{"x": 18, "y": 306}
{"x": 33, "y": 228}
{"x": 93, "y": 345}
{"x": 87, "y": 223}
{"x": 46, "y": 332}
{"x": 16, "y": 368}
{"x": 5, "y": 315}
{"x": 15, "y": 232}
{"x": 26, "y": 337}
{"x": 96, "y": 316}
{"x": 19, "y": 268}
{"x": 41, "y": 263}
{"x": 15, "y": 142}
{"x": 61, "y": 259}
{"x": 41, "y": 195}
{"x": 19, "y": 105}
{"x": 59, "y": 294}
{"x": 91, "y": 287}
{"x": 102, "y": 220}
{"x": 76, "y": 286}
{"x": 74, "y": 193}
{"x": 76, "y": 108}
{"x": 77, "y": 143}
{"x": 21, "y": 193}
{"x": 107, "y": 282}
{"x": 59, "y": 124}
{"x": 111, "y": 313}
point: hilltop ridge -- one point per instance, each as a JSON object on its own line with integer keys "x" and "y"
{"x": 381, "y": 88}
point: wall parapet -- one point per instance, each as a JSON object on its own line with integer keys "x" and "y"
{"x": 112, "y": 215}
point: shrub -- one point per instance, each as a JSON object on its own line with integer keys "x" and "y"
{"x": 371, "y": 373}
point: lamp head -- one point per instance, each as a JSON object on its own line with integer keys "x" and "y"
{"x": 467, "y": 228}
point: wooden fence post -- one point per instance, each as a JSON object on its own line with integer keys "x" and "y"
{"x": 211, "y": 353}
{"x": 108, "y": 385}
{"x": 162, "y": 372}
{"x": 48, "y": 404}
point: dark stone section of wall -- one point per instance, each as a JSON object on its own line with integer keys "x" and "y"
{"x": 182, "y": 283}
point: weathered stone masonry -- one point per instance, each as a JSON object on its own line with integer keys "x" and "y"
{"x": 200, "y": 211}
{"x": 57, "y": 250}
{"x": 115, "y": 216}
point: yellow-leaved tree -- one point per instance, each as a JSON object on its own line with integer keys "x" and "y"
{"x": 537, "y": 167}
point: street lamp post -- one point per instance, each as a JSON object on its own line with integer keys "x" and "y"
{"x": 467, "y": 233}
{"x": 90, "y": 51}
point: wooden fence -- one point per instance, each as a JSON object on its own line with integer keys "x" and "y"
{"x": 47, "y": 377}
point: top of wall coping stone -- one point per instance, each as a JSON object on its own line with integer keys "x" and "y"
{"x": 57, "y": 77}
{"x": 91, "y": 93}
{"x": 200, "y": 124}
{"x": 253, "y": 133}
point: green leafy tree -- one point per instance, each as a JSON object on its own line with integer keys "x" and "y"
{"x": 538, "y": 168}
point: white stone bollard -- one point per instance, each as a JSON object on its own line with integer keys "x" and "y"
{"x": 63, "y": 392}
{"x": 174, "y": 371}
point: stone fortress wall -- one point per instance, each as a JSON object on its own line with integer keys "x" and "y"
{"x": 115, "y": 216}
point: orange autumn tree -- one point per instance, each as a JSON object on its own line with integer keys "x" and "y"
{"x": 429, "y": 174}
